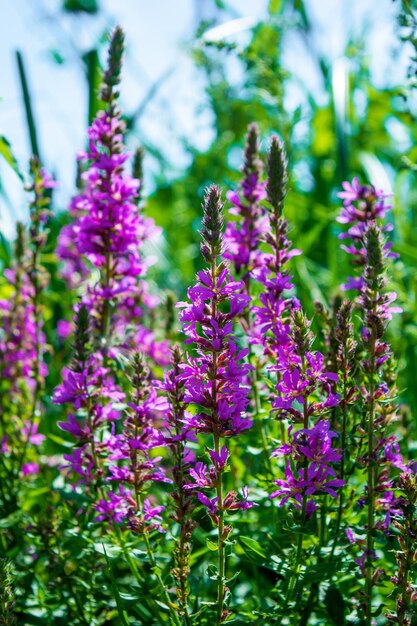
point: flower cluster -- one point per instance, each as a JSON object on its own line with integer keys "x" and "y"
{"x": 22, "y": 339}
{"x": 309, "y": 471}
{"x": 108, "y": 232}
{"x": 89, "y": 388}
{"x": 300, "y": 378}
{"x": 216, "y": 378}
{"x": 305, "y": 392}
{"x": 163, "y": 439}
{"x": 405, "y": 524}
{"x": 18, "y": 352}
{"x": 119, "y": 461}
{"x": 242, "y": 237}
{"x": 363, "y": 205}
{"x": 363, "y": 209}
{"x": 131, "y": 464}
{"x": 271, "y": 316}
{"x": 177, "y": 435}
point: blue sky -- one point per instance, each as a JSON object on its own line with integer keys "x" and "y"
{"x": 157, "y": 34}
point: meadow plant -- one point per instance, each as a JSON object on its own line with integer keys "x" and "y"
{"x": 250, "y": 468}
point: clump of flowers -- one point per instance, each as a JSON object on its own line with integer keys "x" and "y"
{"x": 305, "y": 393}
{"x": 109, "y": 230}
{"x": 215, "y": 379}
{"x": 177, "y": 436}
{"x": 157, "y": 446}
{"x": 363, "y": 207}
{"x": 312, "y": 446}
{"x": 242, "y": 237}
{"x": 130, "y": 464}
{"x": 22, "y": 339}
{"x": 89, "y": 388}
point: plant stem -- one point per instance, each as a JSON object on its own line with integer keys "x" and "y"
{"x": 173, "y": 617}
{"x": 296, "y": 570}
{"x": 220, "y": 552}
{"x": 371, "y": 486}
{"x": 38, "y": 355}
{"x": 183, "y": 575}
{"x": 343, "y": 445}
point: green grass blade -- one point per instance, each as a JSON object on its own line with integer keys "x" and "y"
{"x": 27, "y": 102}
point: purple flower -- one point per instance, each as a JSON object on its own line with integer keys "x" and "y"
{"x": 303, "y": 380}
{"x": 30, "y": 469}
{"x": 311, "y": 451}
{"x": 220, "y": 459}
{"x": 107, "y": 233}
{"x": 299, "y": 485}
{"x": 361, "y": 203}
{"x": 210, "y": 504}
{"x": 153, "y": 514}
{"x": 242, "y": 238}
{"x": 30, "y": 432}
{"x": 200, "y": 476}
{"x": 112, "y": 509}
{"x": 245, "y": 504}
{"x": 211, "y": 332}
{"x": 314, "y": 444}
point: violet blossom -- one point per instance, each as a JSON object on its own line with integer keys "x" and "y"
{"x": 215, "y": 377}
{"x": 108, "y": 232}
{"x": 22, "y": 339}
{"x": 312, "y": 456}
{"x": 242, "y": 237}
{"x": 364, "y": 208}
{"x": 272, "y": 315}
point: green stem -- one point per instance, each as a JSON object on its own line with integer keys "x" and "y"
{"x": 258, "y": 419}
{"x": 371, "y": 487}
{"x": 173, "y": 617}
{"x": 220, "y": 552}
{"x": 343, "y": 445}
{"x": 183, "y": 589}
{"x": 38, "y": 355}
{"x": 296, "y": 570}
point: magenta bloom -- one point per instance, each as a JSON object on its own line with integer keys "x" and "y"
{"x": 210, "y": 332}
{"x": 302, "y": 483}
{"x": 363, "y": 205}
{"x": 108, "y": 232}
{"x": 314, "y": 444}
{"x": 242, "y": 238}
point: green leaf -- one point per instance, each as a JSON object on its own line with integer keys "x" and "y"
{"x": 27, "y": 103}
{"x": 11, "y": 520}
{"x": 212, "y": 545}
{"x": 122, "y": 613}
{"x": 252, "y": 546}
{"x": 8, "y": 156}
{"x": 110, "y": 551}
{"x": 60, "y": 441}
{"x": 212, "y": 572}
{"x": 233, "y": 579}
{"x": 81, "y": 6}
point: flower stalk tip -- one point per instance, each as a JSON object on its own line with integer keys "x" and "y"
{"x": 276, "y": 186}
{"x": 112, "y": 74}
